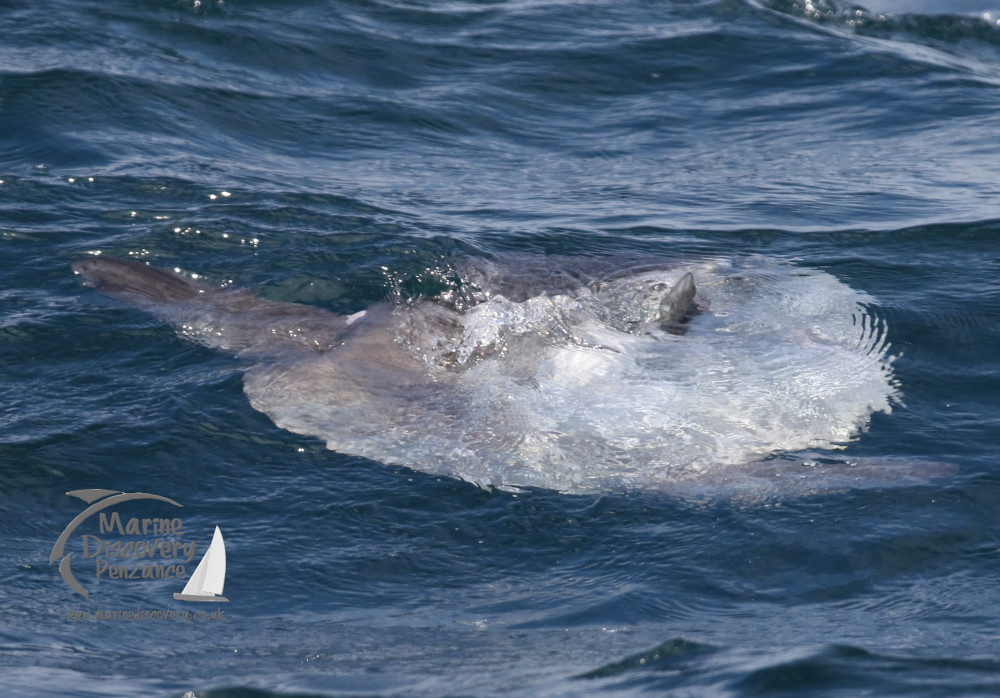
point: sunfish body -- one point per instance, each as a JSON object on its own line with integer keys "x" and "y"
{"x": 577, "y": 381}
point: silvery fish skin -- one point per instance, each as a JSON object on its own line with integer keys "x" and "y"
{"x": 572, "y": 375}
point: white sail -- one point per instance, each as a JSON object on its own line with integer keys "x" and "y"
{"x": 209, "y": 576}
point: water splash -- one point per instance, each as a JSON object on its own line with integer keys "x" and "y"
{"x": 558, "y": 373}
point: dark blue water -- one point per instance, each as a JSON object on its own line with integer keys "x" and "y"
{"x": 326, "y": 152}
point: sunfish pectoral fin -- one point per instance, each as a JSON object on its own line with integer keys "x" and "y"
{"x": 808, "y": 472}
{"x": 676, "y": 306}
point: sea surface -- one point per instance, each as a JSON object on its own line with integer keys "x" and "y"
{"x": 333, "y": 152}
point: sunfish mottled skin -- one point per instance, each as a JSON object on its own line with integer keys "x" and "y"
{"x": 578, "y": 379}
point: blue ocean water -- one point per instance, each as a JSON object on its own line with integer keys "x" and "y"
{"x": 323, "y": 152}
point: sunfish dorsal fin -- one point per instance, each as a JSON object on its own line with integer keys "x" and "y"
{"x": 134, "y": 281}
{"x": 678, "y": 303}
{"x": 231, "y": 320}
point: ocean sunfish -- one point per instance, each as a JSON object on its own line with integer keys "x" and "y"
{"x": 560, "y": 374}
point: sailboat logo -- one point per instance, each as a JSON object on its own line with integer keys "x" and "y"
{"x": 209, "y": 576}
